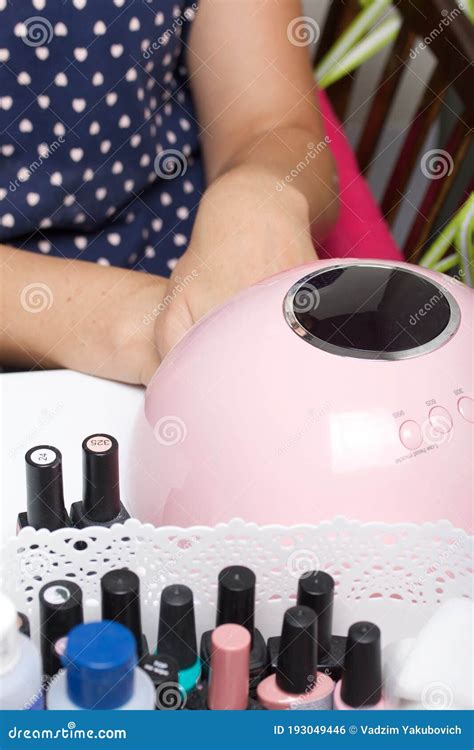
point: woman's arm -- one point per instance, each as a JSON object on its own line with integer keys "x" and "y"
{"x": 269, "y": 168}
{"x": 65, "y": 313}
{"x": 256, "y": 100}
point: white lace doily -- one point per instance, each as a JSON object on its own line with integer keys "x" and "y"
{"x": 394, "y": 575}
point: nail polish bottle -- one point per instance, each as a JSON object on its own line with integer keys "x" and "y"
{"x": 361, "y": 683}
{"x": 60, "y": 605}
{"x": 120, "y": 592}
{"x": 230, "y": 667}
{"x": 23, "y": 624}
{"x": 297, "y": 684}
{"x": 177, "y": 633}
{"x": 100, "y": 672}
{"x": 45, "y": 507}
{"x": 101, "y": 504}
{"x": 228, "y": 686}
{"x": 236, "y": 604}
{"x": 20, "y": 664}
{"x": 316, "y": 590}
{"x": 163, "y": 672}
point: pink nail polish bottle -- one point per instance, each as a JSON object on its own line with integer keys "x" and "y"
{"x": 229, "y": 673}
{"x": 361, "y": 684}
{"x": 297, "y": 684}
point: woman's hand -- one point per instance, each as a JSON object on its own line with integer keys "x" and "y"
{"x": 78, "y": 315}
{"x": 245, "y": 231}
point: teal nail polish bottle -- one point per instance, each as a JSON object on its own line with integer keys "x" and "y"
{"x": 177, "y": 633}
{"x": 188, "y": 678}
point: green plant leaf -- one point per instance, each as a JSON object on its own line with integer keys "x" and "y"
{"x": 385, "y": 33}
{"x": 350, "y": 36}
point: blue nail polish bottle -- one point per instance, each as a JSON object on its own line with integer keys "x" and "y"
{"x": 177, "y": 633}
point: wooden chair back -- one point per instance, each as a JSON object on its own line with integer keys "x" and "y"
{"x": 450, "y": 37}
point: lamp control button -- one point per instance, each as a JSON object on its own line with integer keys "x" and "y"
{"x": 410, "y": 435}
{"x": 441, "y": 420}
{"x": 466, "y": 408}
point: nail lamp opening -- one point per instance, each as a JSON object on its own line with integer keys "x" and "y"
{"x": 339, "y": 388}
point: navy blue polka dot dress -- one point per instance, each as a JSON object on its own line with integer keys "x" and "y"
{"x": 99, "y": 155}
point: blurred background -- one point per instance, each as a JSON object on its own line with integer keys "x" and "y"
{"x": 403, "y": 108}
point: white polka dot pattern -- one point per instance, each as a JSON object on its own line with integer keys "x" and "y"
{"x": 84, "y": 115}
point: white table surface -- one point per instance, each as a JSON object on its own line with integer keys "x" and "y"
{"x": 60, "y": 408}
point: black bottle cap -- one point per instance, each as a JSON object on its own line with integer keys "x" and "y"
{"x": 316, "y": 590}
{"x": 236, "y": 597}
{"x": 298, "y": 658}
{"x": 100, "y": 476}
{"x": 61, "y": 609}
{"x": 177, "y": 627}
{"x": 120, "y": 591}
{"x": 362, "y": 676}
{"x": 44, "y": 488}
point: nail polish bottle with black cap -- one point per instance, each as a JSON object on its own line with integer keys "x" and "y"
{"x": 177, "y": 633}
{"x": 236, "y": 604}
{"x": 45, "y": 507}
{"x": 101, "y": 504}
{"x": 60, "y": 605}
{"x": 120, "y": 590}
{"x": 361, "y": 683}
{"x": 316, "y": 590}
{"x": 297, "y": 684}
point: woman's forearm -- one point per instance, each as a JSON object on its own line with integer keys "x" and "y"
{"x": 75, "y": 314}
{"x": 293, "y": 160}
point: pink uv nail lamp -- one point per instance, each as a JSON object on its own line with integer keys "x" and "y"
{"x": 340, "y": 388}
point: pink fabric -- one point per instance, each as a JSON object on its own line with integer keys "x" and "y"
{"x": 361, "y": 231}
